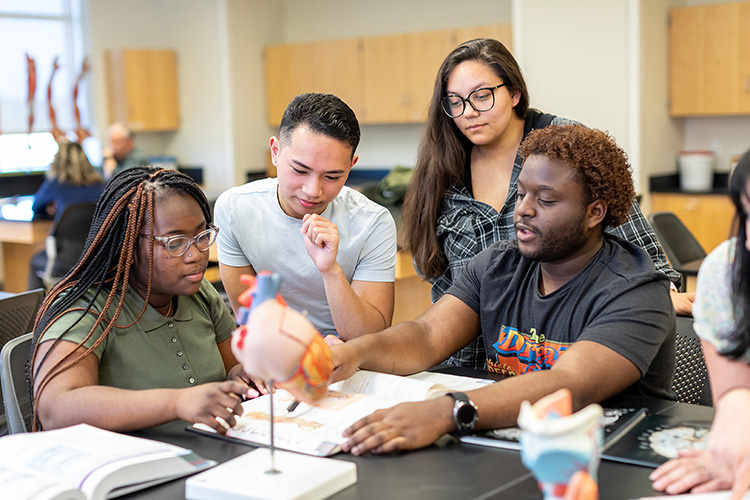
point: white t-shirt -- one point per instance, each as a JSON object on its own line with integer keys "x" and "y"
{"x": 254, "y": 230}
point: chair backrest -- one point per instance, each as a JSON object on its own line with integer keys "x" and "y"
{"x": 14, "y": 377}
{"x": 17, "y": 313}
{"x": 676, "y": 239}
{"x": 690, "y": 376}
{"x": 67, "y": 239}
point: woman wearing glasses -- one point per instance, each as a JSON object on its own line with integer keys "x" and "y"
{"x": 134, "y": 336}
{"x": 468, "y": 156}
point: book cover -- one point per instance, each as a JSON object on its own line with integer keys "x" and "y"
{"x": 89, "y": 463}
{"x": 657, "y": 439}
{"x": 615, "y": 422}
{"x": 316, "y": 429}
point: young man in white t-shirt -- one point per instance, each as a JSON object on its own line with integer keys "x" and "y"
{"x": 334, "y": 248}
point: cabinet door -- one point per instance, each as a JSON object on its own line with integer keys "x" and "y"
{"x": 142, "y": 89}
{"x": 332, "y": 67}
{"x": 399, "y": 75}
{"x": 708, "y": 49}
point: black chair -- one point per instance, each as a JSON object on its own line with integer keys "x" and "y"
{"x": 14, "y": 377}
{"x": 65, "y": 243}
{"x": 17, "y": 313}
{"x": 684, "y": 252}
{"x": 690, "y": 381}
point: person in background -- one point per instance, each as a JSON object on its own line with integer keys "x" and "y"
{"x": 565, "y": 304}
{"x": 334, "y": 248}
{"x": 134, "y": 336}
{"x": 465, "y": 184}
{"x": 122, "y": 153}
{"x": 722, "y": 320}
{"x": 70, "y": 179}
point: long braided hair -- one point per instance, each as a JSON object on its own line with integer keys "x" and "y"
{"x": 104, "y": 266}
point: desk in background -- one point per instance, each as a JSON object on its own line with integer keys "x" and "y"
{"x": 20, "y": 240}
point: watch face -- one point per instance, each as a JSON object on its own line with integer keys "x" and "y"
{"x": 466, "y": 414}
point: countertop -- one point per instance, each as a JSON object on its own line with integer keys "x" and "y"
{"x": 670, "y": 183}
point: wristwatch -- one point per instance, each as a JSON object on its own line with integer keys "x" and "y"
{"x": 464, "y": 413}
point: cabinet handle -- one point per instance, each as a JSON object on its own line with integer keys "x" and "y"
{"x": 747, "y": 85}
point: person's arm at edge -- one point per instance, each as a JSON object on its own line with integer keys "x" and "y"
{"x": 230, "y": 278}
{"x": 74, "y": 396}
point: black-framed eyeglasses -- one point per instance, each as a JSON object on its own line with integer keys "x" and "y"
{"x": 480, "y": 99}
{"x": 177, "y": 245}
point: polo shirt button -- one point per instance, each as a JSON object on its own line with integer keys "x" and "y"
{"x": 179, "y": 353}
{"x": 191, "y": 380}
{"x": 170, "y": 325}
{"x": 174, "y": 340}
{"x": 185, "y": 366}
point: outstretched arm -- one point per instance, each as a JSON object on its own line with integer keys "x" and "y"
{"x": 357, "y": 308}
{"x": 591, "y": 371}
{"x": 75, "y": 396}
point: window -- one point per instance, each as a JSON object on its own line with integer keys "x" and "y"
{"x": 45, "y": 30}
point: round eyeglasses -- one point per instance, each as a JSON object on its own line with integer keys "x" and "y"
{"x": 177, "y": 245}
{"x": 480, "y": 99}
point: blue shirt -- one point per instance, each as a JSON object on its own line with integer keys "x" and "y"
{"x": 53, "y": 191}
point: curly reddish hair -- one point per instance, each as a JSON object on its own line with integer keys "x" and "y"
{"x": 601, "y": 164}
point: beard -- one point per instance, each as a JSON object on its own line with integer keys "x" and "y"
{"x": 558, "y": 242}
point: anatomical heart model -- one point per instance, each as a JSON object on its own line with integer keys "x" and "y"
{"x": 277, "y": 343}
{"x": 561, "y": 448}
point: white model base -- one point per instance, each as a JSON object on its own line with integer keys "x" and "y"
{"x": 247, "y": 477}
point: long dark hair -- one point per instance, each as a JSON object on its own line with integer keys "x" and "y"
{"x": 443, "y": 150}
{"x": 741, "y": 267}
{"x": 104, "y": 267}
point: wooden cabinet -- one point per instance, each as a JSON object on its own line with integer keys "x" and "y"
{"x": 385, "y": 79}
{"x": 142, "y": 89}
{"x": 333, "y": 67}
{"x": 710, "y": 59}
{"x": 709, "y": 217}
{"x": 399, "y": 75}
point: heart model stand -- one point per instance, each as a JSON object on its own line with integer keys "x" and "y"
{"x": 274, "y": 341}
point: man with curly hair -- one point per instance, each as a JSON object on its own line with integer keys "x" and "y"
{"x": 566, "y": 305}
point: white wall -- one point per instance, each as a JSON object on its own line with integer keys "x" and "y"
{"x": 661, "y": 136}
{"x": 576, "y": 57}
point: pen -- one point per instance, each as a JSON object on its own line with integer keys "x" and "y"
{"x": 292, "y": 406}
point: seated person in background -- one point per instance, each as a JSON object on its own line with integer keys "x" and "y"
{"x": 479, "y": 114}
{"x": 70, "y": 179}
{"x": 564, "y": 305}
{"x": 722, "y": 320}
{"x": 334, "y": 248}
{"x": 122, "y": 153}
{"x": 134, "y": 336}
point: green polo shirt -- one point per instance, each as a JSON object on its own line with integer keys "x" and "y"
{"x": 157, "y": 351}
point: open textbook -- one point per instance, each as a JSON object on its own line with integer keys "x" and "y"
{"x": 82, "y": 462}
{"x": 616, "y": 422}
{"x": 316, "y": 429}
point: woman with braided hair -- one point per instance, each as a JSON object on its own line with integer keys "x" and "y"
{"x": 134, "y": 336}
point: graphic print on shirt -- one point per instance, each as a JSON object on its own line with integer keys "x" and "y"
{"x": 518, "y": 353}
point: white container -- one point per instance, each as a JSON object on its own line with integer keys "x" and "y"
{"x": 696, "y": 170}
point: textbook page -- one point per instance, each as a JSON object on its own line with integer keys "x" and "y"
{"x": 316, "y": 428}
